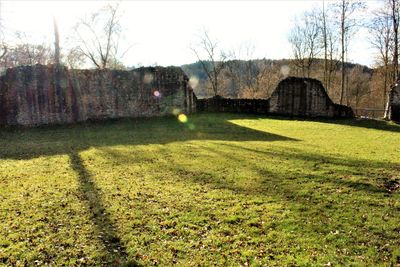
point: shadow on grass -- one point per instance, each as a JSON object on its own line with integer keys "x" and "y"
{"x": 357, "y": 122}
{"x": 59, "y": 140}
{"x": 319, "y": 193}
{"x": 335, "y": 170}
{"x": 114, "y": 253}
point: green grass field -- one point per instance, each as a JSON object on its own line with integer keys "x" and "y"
{"x": 222, "y": 189}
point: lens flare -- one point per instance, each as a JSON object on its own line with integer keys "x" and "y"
{"x": 148, "y": 78}
{"x": 193, "y": 82}
{"x": 176, "y": 111}
{"x": 285, "y": 70}
{"x": 191, "y": 126}
{"x": 157, "y": 93}
{"x": 182, "y": 118}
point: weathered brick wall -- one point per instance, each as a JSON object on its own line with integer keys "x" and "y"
{"x": 301, "y": 97}
{"x": 395, "y": 104}
{"x": 36, "y": 95}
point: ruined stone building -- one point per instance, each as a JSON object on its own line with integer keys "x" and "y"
{"x": 394, "y": 104}
{"x": 305, "y": 97}
{"x": 302, "y": 97}
{"x": 36, "y": 95}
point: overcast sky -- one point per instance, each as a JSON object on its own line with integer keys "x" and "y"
{"x": 162, "y": 32}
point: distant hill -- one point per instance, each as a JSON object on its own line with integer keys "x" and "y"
{"x": 196, "y": 69}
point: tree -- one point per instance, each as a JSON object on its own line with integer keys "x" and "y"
{"x": 24, "y": 52}
{"x": 233, "y": 74}
{"x": 99, "y": 35}
{"x": 254, "y": 73}
{"x": 346, "y": 10}
{"x": 265, "y": 77}
{"x": 382, "y": 36}
{"x": 358, "y": 85}
{"x": 304, "y": 41}
{"x": 328, "y": 41}
{"x": 394, "y": 7}
{"x": 215, "y": 62}
{"x": 74, "y": 58}
{"x": 3, "y": 46}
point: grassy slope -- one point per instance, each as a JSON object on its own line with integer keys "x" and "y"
{"x": 238, "y": 189}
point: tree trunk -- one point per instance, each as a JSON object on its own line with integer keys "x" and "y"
{"x": 343, "y": 51}
{"x": 396, "y": 45}
{"x": 325, "y": 45}
{"x": 56, "y": 43}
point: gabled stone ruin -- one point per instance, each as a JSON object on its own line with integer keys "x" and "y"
{"x": 37, "y": 95}
{"x": 394, "y": 104}
{"x": 305, "y": 97}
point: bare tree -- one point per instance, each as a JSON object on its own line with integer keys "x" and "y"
{"x": 382, "y": 37}
{"x": 24, "y": 52}
{"x": 328, "y": 41}
{"x": 263, "y": 79}
{"x": 358, "y": 82}
{"x": 304, "y": 40}
{"x": 74, "y": 58}
{"x": 254, "y": 72}
{"x": 394, "y": 8}
{"x": 215, "y": 62}
{"x": 234, "y": 76}
{"x": 346, "y": 10}
{"x": 324, "y": 31}
{"x": 3, "y": 46}
{"x": 98, "y": 37}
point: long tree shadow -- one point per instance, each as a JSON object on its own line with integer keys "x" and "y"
{"x": 113, "y": 252}
{"x": 60, "y": 140}
{"x": 332, "y": 165}
{"x": 313, "y": 204}
{"x": 357, "y": 122}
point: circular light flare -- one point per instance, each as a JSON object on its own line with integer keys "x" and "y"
{"x": 157, "y": 93}
{"x": 285, "y": 70}
{"x": 193, "y": 82}
{"x": 176, "y": 111}
{"x": 182, "y": 118}
{"x": 191, "y": 126}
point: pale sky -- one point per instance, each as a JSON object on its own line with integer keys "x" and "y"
{"x": 162, "y": 32}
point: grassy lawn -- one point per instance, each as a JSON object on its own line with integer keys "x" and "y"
{"x": 222, "y": 189}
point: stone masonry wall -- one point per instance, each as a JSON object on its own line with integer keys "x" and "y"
{"x": 37, "y": 95}
{"x": 300, "y": 97}
{"x": 305, "y": 97}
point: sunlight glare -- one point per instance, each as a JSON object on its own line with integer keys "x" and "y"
{"x": 285, "y": 70}
{"x": 148, "y": 78}
{"x": 193, "y": 82}
{"x": 157, "y": 93}
{"x": 182, "y": 118}
{"x": 176, "y": 111}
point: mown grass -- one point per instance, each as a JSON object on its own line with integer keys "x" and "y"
{"x": 235, "y": 190}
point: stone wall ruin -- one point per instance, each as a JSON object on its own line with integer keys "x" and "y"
{"x": 39, "y": 94}
{"x": 301, "y": 97}
{"x": 305, "y": 97}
